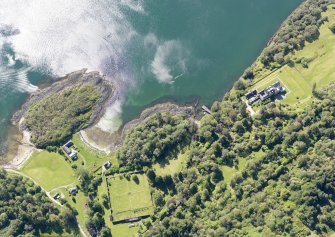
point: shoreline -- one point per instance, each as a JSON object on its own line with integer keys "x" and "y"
{"x": 116, "y": 138}
{"x": 115, "y": 94}
{"x": 104, "y": 86}
{"x": 23, "y": 152}
{"x": 171, "y": 107}
{"x": 21, "y": 148}
{"x": 89, "y": 135}
{"x": 88, "y": 142}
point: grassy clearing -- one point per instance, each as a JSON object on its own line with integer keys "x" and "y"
{"x": 298, "y": 80}
{"x": 298, "y": 89}
{"x": 112, "y": 158}
{"x": 93, "y": 159}
{"x": 121, "y": 230}
{"x": 77, "y": 202}
{"x": 229, "y": 172}
{"x": 170, "y": 167}
{"x": 50, "y": 170}
{"x": 321, "y": 55}
{"x": 130, "y": 199}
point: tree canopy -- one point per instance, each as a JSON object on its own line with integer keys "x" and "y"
{"x": 287, "y": 187}
{"x": 154, "y": 139}
{"x": 26, "y": 211}
{"x": 300, "y": 27}
{"x": 53, "y": 119}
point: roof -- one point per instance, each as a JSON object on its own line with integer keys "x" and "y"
{"x": 68, "y": 144}
{"x": 73, "y": 155}
{"x": 251, "y": 94}
{"x": 67, "y": 150}
{"x": 108, "y": 164}
{"x": 73, "y": 190}
{"x": 134, "y": 219}
{"x": 274, "y": 89}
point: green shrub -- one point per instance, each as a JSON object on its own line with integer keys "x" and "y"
{"x": 56, "y": 117}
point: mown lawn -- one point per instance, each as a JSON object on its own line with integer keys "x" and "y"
{"x": 296, "y": 86}
{"x": 298, "y": 80}
{"x": 170, "y": 167}
{"x": 50, "y": 170}
{"x": 121, "y": 230}
{"x": 128, "y": 198}
{"x": 321, "y": 69}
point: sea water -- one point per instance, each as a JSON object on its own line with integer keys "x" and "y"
{"x": 153, "y": 50}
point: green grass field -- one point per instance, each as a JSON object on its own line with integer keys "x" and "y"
{"x": 298, "y": 88}
{"x": 170, "y": 167}
{"x": 298, "y": 80}
{"x": 93, "y": 159}
{"x": 121, "y": 230}
{"x": 79, "y": 204}
{"x": 129, "y": 199}
{"x": 50, "y": 170}
{"x": 229, "y": 172}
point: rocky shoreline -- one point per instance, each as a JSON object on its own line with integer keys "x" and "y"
{"x": 108, "y": 95}
{"x": 170, "y": 107}
{"x": 73, "y": 79}
{"x": 106, "y": 89}
{"x": 116, "y": 139}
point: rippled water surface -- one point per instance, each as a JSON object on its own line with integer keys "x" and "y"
{"x": 151, "y": 49}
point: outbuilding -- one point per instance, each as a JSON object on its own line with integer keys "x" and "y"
{"x": 67, "y": 150}
{"x": 107, "y": 165}
{"x": 69, "y": 144}
{"x": 73, "y": 190}
{"x": 73, "y": 155}
{"x": 56, "y": 196}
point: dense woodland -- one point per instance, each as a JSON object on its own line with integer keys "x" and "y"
{"x": 25, "y": 210}
{"x": 56, "y": 117}
{"x": 154, "y": 139}
{"x": 286, "y": 188}
{"x": 301, "y": 26}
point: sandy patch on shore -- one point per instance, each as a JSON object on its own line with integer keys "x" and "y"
{"x": 106, "y": 142}
{"x": 88, "y": 137}
{"x": 24, "y": 151}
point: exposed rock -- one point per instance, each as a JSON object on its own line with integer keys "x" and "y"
{"x": 71, "y": 80}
